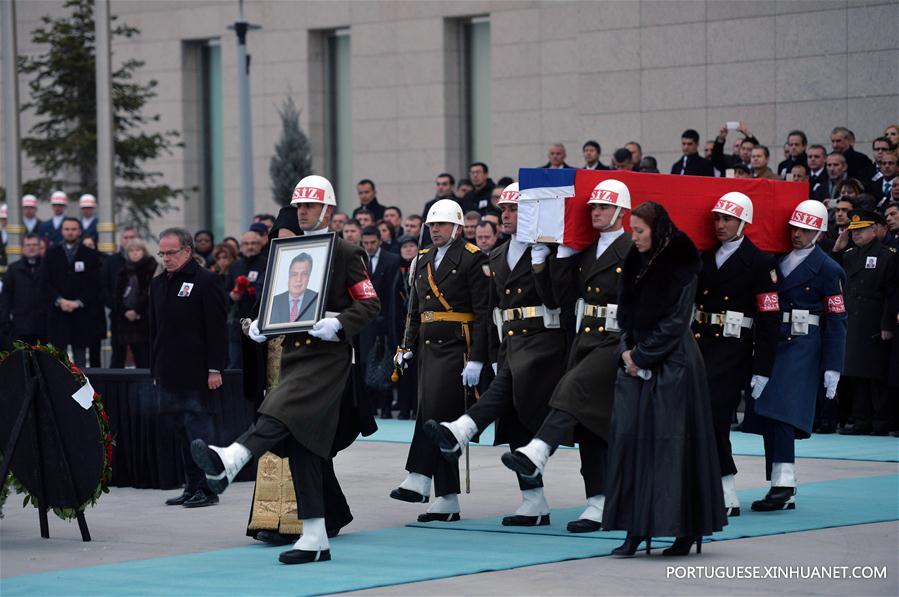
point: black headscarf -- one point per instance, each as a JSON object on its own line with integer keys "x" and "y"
{"x": 663, "y": 230}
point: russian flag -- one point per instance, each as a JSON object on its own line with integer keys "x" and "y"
{"x": 549, "y": 210}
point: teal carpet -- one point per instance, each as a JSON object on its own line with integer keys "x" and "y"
{"x": 410, "y": 554}
{"x": 833, "y": 446}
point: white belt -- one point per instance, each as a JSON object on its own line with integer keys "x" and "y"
{"x": 799, "y": 320}
{"x": 722, "y": 318}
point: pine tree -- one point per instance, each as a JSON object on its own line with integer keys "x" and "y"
{"x": 63, "y": 141}
{"x": 293, "y": 155}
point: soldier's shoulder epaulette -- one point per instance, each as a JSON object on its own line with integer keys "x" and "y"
{"x": 474, "y": 249}
{"x": 423, "y": 251}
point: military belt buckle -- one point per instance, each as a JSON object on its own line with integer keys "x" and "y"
{"x": 799, "y": 320}
{"x": 733, "y": 324}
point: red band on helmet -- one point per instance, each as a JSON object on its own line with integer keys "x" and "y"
{"x": 801, "y": 217}
{"x": 767, "y": 301}
{"x": 362, "y": 290}
{"x": 308, "y": 193}
{"x": 835, "y": 304}
{"x": 604, "y": 195}
{"x": 730, "y": 207}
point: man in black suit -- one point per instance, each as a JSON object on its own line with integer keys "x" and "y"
{"x": 556, "y": 155}
{"x": 298, "y": 302}
{"x": 817, "y": 170}
{"x": 860, "y": 166}
{"x": 72, "y": 289}
{"x": 110, "y": 272}
{"x": 384, "y": 269}
{"x": 881, "y": 188}
{"x": 368, "y": 199}
{"x": 592, "y": 151}
{"x": 796, "y": 144}
{"x": 478, "y": 198}
{"x": 188, "y": 351}
{"x": 23, "y": 314}
{"x": 692, "y": 164}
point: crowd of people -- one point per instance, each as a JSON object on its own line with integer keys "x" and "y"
{"x": 812, "y": 347}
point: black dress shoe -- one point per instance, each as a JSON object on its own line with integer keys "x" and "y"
{"x": 894, "y": 433}
{"x": 517, "y": 520}
{"x": 210, "y": 463}
{"x": 778, "y": 498}
{"x": 857, "y": 429}
{"x": 403, "y": 416}
{"x": 732, "y": 511}
{"x": 200, "y": 499}
{"x": 177, "y": 501}
{"x": 682, "y": 546}
{"x": 630, "y": 545}
{"x": 407, "y": 495}
{"x": 521, "y": 464}
{"x": 444, "y": 439}
{"x": 275, "y": 538}
{"x": 826, "y": 428}
{"x": 437, "y": 517}
{"x": 301, "y": 556}
{"x": 386, "y": 414}
{"x": 584, "y": 525}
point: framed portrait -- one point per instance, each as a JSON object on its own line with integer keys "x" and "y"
{"x": 296, "y": 283}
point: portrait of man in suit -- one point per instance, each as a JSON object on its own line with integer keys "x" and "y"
{"x": 297, "y": 303}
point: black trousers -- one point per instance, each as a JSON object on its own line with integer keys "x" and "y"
{"x": 724, "y": 403}
{"x": 497, "y": 403}
{"x": 192, "y": 420}
{"x": 425, "y": 459}
{"x": 780, "y": 443}
{"x": 559, "y": 425}
{"x": 870, "y": 403}
{"x": 80, "y": 354}
{"x": 318, "y": 492}
{"x": 140, "y": 351}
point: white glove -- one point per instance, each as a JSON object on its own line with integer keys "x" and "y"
{"x": 565, "y": 251}
{"x": 758, "y": 383}
{"x": 471, "y": 375}
{"x": 401, "y": 358}
{"x": 254, "y": 334}
{"x": 326, "y": 329}
{"x": 831, "y": 379}
{"x": 494, "y": 365}
{"x": 539, "y": 253}
{"x": 644, "y": 374}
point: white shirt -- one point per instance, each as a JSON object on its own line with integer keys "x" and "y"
{"x": 727, "y": 249}
{"x": 793, "y": 259}
{"x": 374, "y": 260}
{"x": 30, "y": 223}
{"x": 85, "y": 222}
{"x": 606, "y": 239}
{"x": 57, "y": 220}
{"x": 516, "y": 250}
{"x": 441, "y": 251}
{"x": 298, "y": 301}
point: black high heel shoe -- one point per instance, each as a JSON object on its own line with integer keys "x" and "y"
{"x": 682, "y": 546}
{"x": 630, "y": 545}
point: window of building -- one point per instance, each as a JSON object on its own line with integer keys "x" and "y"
{"x": 475, "y": 78}
{"x": 211, "y": 146}
{"x": 338, "y": 116}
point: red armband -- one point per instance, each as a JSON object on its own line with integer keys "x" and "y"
{"x": 767, "y": 302}
{"x": 362, "y": 290}
{"x": 834, "y": 304}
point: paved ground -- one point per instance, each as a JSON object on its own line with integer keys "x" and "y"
{"x": 131, "y": 524}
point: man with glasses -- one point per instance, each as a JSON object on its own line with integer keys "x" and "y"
{"x": 882, "y": 184}
{"x": 187, "y": 351}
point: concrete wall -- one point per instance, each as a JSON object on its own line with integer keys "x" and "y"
{"x": 563, "y": 71}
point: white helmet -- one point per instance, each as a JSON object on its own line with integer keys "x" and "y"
{"x": 2, "y": 211}
{"x": 510, "y": 195}
{"x": 29, "y": 201}
{"x": 811, "y": 215}
{"x": 736, "y": 205}
{"x": 59, "y": 198}
{"x": 87, "y": 200}
{"x": 445, "y": 210}
{"x": 314, "y": 189}
{"x": 611, "y": 192}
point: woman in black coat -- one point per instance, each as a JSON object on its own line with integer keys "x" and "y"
{"x": 131, "y": 303}
{"x": 663, "y": 474}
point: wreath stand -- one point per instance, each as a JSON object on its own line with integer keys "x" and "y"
{"x": 37, "y": 424}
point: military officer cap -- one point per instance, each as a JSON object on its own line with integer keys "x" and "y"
{"x": 863, "y": 218}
